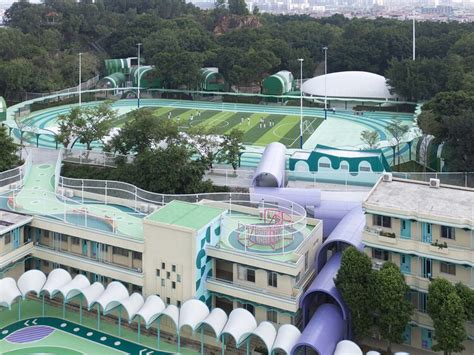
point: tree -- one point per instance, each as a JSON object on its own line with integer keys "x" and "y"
{"x": 206, "y": 142}
{"x": 393, "y": 309}
{"x": 354, "y": 280}
{"x": 467, "y": 297}
{"x": 231, "y": 148}
{"x": 66, "y": 125}
{"x": 143, "y": 131}
{"x": 238, "y": 7}
{"x": 9, "y": 149}
{"x": 371, "y": 138}
{"x": 446, "y": 309}
{"x": 397, "y": 129}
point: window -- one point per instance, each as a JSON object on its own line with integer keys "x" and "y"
{"x": 163, "y": 282}
{"x": 306, "y": 260}
{"x": 379, "y": 254}
{"x": 158, "y": 272}
{"x": 273, "y": 279}
{"x": 173, "y": 268}
{"x": 63, "y": 238}
{"x": 250, "y": 308}
{"x": 163, "y": 265}
{"x": 324, "y": 165}
{"x": 178, "y": 278}
{"x": 137, "y": 255}
{"x": 447, "y": 232}
{"x": 168, "y": 275}
{"x": 272, "y": 316}
{"x": 45, "y": 263}
{"x": 178, "y": 304}
{"x": 168, "y": 301}
{"x": 173, "y": 285}
{"x": 119, "y": 251}
{"x": 75, "y": 241}
{"x": 382, "y": 221}
{"x": 447, "y": 268}
{"x": 250, "y": 275}
{"x": 8, "y": 239}
{"x": 364, "y": 168}
{"x": 344, "y": 167}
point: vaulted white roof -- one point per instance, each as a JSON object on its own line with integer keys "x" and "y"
{"x": 74, "y": 287}
{"x": 152, "y": 309}
{"x": 240, "y": 324}
{"x": 287, "y": 337}
{"x": 8, "y": 292}
{"x": 347, "y": 347}
{"x": 192, "y": 313}
{"x": 267, "y": 332}
{"x": 349, "y": 84}
{"x": 31, "y": 281}
{"x": 112, "y": 296}
{"x": 92, "y": 293}
{"x": 172, "y": 312}
{"x": 132, "y": 304}
{"x": 57, "y": 278}
{"x": 216, "y": 320}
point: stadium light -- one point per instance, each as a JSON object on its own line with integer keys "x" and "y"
{"x": 80, "y": 79}
{"x": 325, "y": 49}
{"x": 138, "y": 74}
{"x": 301, "y": 60}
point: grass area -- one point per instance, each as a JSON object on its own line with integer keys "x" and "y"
{"x": 32, "y": 308}
{"x": 275, "y": 128}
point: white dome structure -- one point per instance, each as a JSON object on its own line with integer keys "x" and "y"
{"x": 349, "y": 84}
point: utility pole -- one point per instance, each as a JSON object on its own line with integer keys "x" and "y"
{"x": 301, "y": 60}
{"x": 80, "y": 79}
{"x": 325, "y": 49}
{"x": 414, "y": 37}
{"x": 138, "y": 74}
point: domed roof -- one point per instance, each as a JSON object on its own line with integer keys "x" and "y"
{"x": 350, "y": 84}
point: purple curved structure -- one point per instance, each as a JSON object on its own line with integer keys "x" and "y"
{"x": 271, "y": 169}
{"x": 326, "y": 324}
{"x": 325, "y": 315}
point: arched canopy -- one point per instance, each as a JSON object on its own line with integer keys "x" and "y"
{"x": 73, "y": 288}
{"x": 132, "y": 305}
{"x": 92, "y": 293}
{"x": 192, "y": 313}
{"x": 348, "y": 232}
{"x": 112, "y": 296}
{"x": 286, "y": 338}
{"x": 323, "y": 332}
{"x": 267, "y": 333}
{"x": 345, "y": 347}
{"x": 240, "y": 324}
{"x": 9, "y": 292}
{"x": 323, "y": 284}
{"x": 271, "y": 169}
{"x": 216, "y": 320}
{"x": 112, "y": 81}
{"x": 31, "y": 281}
{"x": 172, "y": 312}
{"x": 152, "y": 309}
{"x": 57, "y": 278}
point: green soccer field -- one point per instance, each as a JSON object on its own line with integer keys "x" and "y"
{"x": 259, "y": 128}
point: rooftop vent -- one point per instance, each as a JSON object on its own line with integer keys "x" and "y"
{"x": 434, "y": 183}
{"x": 387, "y": 177}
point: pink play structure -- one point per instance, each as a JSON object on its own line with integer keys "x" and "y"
{"x": 270, "y": 233}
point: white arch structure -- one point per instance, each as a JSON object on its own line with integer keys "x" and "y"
{"x": 240, "y": 325}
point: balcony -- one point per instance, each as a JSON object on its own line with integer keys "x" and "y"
{"x": 374, "y": 237}
{"x": 255, "y": 294}
{"x": 14, "y": 255}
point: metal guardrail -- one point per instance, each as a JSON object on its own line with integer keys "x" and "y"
{"x": 16, "y": 175}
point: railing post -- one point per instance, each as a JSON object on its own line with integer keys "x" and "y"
{"x": 106, "y": 191}
{"x": 136, "y": 192}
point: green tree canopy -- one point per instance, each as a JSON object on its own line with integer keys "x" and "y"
{"x": 9, "y": 149}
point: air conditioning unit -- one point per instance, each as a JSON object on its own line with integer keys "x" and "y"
{"x": 60, "y": 191}
{"x": 152, "y": 208}
{"x": 434, "y": 183}
{"x": 144, "y": 208}
{"x": 68, "y": 193}
{"x": 377, "y": 265}
{"x": 387, "y": 177}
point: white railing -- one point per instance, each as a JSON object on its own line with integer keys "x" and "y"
{"x": 93, "y": 157}
{"x": 16, "y": 175}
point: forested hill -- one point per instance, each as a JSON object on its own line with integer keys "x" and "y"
{"x": 40, "y": 45}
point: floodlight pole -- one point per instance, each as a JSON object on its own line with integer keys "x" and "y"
{"x": 325, "y": 49}
{"x": 301, "y": 60}
{"x": 80, "y": 79}
{"x": 414, "y": 37}
{"x": 138, "y": 74}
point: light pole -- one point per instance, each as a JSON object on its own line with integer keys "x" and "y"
{"x": 138, "y": 74}
{"x": 325, "y": 49}
{"x": 301, "y": 60}
{"x": 80, "y": 79}
{"x": 414, "y": 38}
